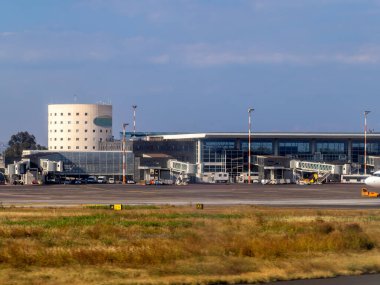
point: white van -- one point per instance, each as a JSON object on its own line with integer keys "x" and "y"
{"x": 102, "y": 179}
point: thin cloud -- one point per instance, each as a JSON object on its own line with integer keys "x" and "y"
{"x": 29, "y": 47}
{"x": 6, "y": 34}
{"x": 161, "y": 59}
{"x": 203, "y": 55}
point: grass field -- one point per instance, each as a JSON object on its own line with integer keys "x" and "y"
{"x": 176, "y": 245}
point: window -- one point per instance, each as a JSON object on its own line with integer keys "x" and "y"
{"x": 55, "y": 122}
{"x": 85, "y": 131}
{"x": 77, "y": 131}
{"x": 85, "y": 114}
{"x": 93, "y": 131}
{"x": 77, "y": 147}
{"x": 69, "y": 122}
{"x": 331, "y": 147}
{"x": 69, "y": 114}
{"x": 85, "y": 147}
{"x": 77, "y": 122}
{"x": 85, "y": 139}
{"x": 55, "y": 114}
{"x": 55, "y": 131}
{"x": 61, "y": 139}
{"x": 61, "y": 131}
{"x": 93, "y": 147}
{"x": 85, "y": 122}
{"x": 51, "y": 114}
{"x": 55, "y": 147}
{"x": 101, "y": 131}
{"x": 51, "y": 122}
{"x": 61, "y": 114}
{"x": 77, "y": 139}
{"x": 69, "y": 147}
{"x": 55, "y": 139}
{"x": 61, "y": 122}
{"x": 294, "y": 148}
{"x": 61, "y": 147}
{"x": 77, "y": 114}
{"x": 69, "y": 139}
{"x": 69, "y": 131}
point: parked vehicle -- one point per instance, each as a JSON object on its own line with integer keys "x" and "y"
{"x": 2, "y": 179}
{"x": 91, "y": 180}
{"x": 18, "y": 182}
{"x": 69, "y": 180}
{"x": 102, "y": 179}
{"x": 111, "y": 180}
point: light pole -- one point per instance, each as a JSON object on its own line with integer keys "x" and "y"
{"x": 250, "y": 110}
{"x": 134, "y": 120}
{"x": 365, "y": 141}
{"x": 124, "y": 154}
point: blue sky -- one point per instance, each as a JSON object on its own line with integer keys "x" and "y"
{"x": 193, "y": 65}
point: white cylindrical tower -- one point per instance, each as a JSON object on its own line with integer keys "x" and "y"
{"x": 78, "y": 127}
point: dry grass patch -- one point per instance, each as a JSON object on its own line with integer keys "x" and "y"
{"x": 183, "y": 245}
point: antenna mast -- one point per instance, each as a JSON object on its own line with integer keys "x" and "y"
{"x": 134, "y": 120}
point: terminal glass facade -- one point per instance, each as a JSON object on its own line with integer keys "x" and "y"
{"x": 231, "y": 155}
{"x": 332, "y": 151}
{"x": 259, "y": 147}
{"x": 109, "y": 163}
{"x": 221, "y": 156}
{"x": 373, "y": 148}
{"x": 294, "y": 148}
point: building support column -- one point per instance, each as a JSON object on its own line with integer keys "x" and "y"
{"x": 349, "y": 151}
{"x": 313, "y": 147}
{"x": 199, "y": 159}
{"x": 275, "y": 147}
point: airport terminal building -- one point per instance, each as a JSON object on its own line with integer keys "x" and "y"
{"x": 81, "y": 144}
{"x": 228, "y": 152}
{"x": 151, "y": 155}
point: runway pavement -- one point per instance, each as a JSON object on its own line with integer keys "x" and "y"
{"x": 327, "y": 195}
{"x": 348, "y": 280}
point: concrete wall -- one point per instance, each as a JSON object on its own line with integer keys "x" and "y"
{"x": 78, "y": 127}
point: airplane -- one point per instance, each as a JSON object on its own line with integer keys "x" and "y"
{"x": 374, "y": 180}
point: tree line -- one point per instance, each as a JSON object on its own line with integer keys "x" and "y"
{"x": 19, "y": 142}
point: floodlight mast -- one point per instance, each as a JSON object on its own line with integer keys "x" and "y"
{"x": 250, "y": 110}
{"x": 134, "y": 120}
{"x": 365, "y": 141}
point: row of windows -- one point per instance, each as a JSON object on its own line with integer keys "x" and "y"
{"x": 68, "y": 122}
{"x": 214, "y": 151}
{"x": 258, "y": 147}
{"x": 289, "y": 148}
{"x": 68, "y": 114}
{"x": 77, "y": 130}
{"x": 69, "y": 147}
{"x": 77, "y": 139}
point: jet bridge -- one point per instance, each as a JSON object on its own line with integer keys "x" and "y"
{"x": 182, "y": 171}
{"x": 176, "y": 166}
{"x": 323, "y": 170}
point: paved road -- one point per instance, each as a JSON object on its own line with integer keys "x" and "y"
{"x": 333, "y": 195}
{"x": 350, "y": 280}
